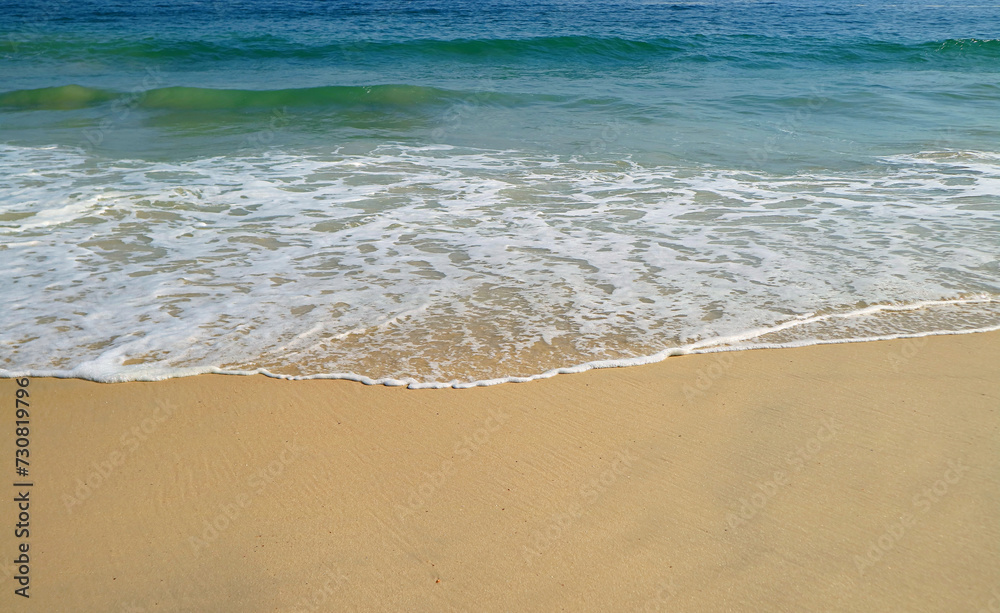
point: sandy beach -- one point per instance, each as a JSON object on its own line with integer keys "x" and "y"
{"x": 853, "y": 477}
{"x": 200, "y": 200}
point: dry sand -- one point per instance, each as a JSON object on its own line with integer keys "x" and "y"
{"x": 862, "y": 477}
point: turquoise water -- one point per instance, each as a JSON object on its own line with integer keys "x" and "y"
{"x": 436, "y": 192}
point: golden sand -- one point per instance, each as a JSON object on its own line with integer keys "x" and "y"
{"x": 861, "y": 477}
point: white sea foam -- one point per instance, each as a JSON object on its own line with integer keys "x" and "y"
{"x": 444, "y": 267}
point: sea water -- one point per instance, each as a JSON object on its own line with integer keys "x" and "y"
{"x": 455, "y": 193}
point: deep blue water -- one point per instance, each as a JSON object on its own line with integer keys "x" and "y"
{"x": 716, "y": 82}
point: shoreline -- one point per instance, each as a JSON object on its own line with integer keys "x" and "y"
{"x": 722, "y": 344}
{"x": 848, "y": 476}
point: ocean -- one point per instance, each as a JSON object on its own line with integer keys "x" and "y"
{"x": 443, "y": 193}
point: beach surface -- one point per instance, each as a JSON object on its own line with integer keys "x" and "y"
{"x": 851, "y": 477}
